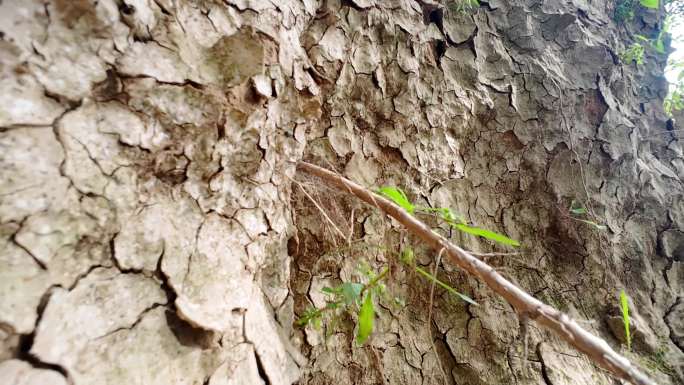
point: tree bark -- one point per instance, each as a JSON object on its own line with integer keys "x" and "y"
{"x": 150, "y": 232}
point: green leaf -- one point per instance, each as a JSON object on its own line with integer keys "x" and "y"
{"x": 445, "y": 286}
{"x": 351, "y": 292}
{"x": 594, "y": 224}
{"x": 328, "y": 290}
{"x": 446, "y": 214}
{"x": 653, "y": 4}
{"x": 302, "y": 321}
{"x": 310, "y": 315}
{"x": 624, "y": 304}
{"x": 578, "y": 210}
{"x": 397, "y": 196}
{"x": 659, "y": 46}
{"x": 366, "y": 318}
{"x": 496, "y": 237}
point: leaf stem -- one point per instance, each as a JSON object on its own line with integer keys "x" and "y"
{"x": 375, "y": 280}
{"x": 444, "y": 285}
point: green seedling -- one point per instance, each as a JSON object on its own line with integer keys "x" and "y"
{"x": 576, "y": 209}
{"x": 350, "y": 297}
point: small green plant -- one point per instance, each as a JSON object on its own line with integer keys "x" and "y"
{"x": 624, "y": 306}
{"x": 578, "y": 210}
{"x": 352, "y": 298}
{"x": 634, "y": 53}
{"x": 463, "y": 5}
{"x": 397, "y": 196}
{"x": 625, "y": 9}
{"x": 358, "y": 299}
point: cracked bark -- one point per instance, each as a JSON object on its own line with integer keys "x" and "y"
{"x": 125, "y": 125}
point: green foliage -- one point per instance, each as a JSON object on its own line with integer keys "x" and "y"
{"x": 346, "y": 297}
{"x": 311, "y": 316}
{"x": 349, "y": 292}
{"x": 397, "y": 196}
{"x": 462, "y": 6}
{"x": 624, "y": 306}
{"x": 407, "y": 258}
{"x": 577, "y": 210}
{"x": 624, "y": 11}
{"x": 496, "y": 237}
{"x": 594, "y": 224}
{"x": 366, "y": 318}
{"x": 357, "y": 299}
{"x": 457, "y": 222}
{"x": 634, "y": 53}
{"x": 445, "y": 213}
{"x": 450, "y": 289}
{"x": 658, "y": 43}
{"x": 653, "y": 4}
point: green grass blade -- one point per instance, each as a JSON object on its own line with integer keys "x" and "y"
{"x": 397, "y": 196}
{"x": 366, "y": 318}
{"x": 496, "y": 237}
{"x": 624, "y": 304}
{"x": 445, "y": 286}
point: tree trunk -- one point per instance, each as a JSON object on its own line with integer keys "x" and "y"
{"x": 151, "y": 232}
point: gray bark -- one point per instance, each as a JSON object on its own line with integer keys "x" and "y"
{"x": 150, "y": 231}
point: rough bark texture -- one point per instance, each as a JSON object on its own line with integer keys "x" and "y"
{"x": 150, "y": 231}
